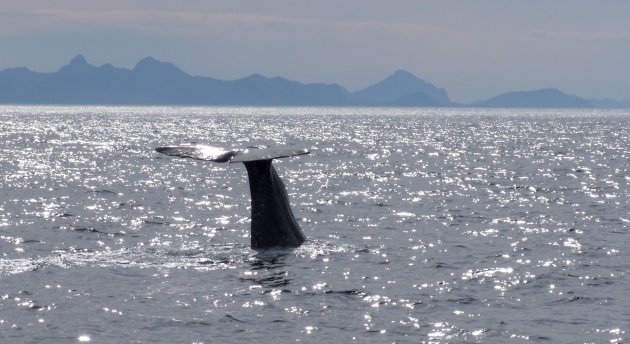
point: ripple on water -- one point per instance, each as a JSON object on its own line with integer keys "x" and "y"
{"x": 424, "y": 225}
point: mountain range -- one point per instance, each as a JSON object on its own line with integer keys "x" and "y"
{"x": 153, "y": 82}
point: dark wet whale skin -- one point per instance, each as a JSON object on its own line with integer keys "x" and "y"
{"x": 273, "y": 223}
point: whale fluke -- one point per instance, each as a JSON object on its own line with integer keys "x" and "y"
{"x": 272, "y": 220}
{"x": 216, "y": 154}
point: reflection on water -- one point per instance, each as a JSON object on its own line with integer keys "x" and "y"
{"x": 268, "y": 269}
{"x": 424, "y": 225}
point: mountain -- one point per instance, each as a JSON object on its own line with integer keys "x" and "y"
{"x": 544, "y": 98}
{"x": 152, "y": 82}
{"x": 404, "y": 89}
{"x": 260, "y": 90}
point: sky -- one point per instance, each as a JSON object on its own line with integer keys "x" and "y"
{"x": 475, "y": 49}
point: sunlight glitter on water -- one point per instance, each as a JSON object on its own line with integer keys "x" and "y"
{"x": 424, "y": 225}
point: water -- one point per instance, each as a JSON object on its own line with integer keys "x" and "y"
{"x": 424, "y": 226}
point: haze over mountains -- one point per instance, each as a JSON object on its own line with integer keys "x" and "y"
{"x": 152, "y": 82}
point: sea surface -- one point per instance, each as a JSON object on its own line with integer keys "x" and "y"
{"x": 424, "y": 226}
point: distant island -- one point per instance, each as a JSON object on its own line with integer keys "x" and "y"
{"x": 153, "y": 82}
{"x": 545, "y": 98}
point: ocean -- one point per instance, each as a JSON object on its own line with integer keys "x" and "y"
{"x": 424, "y": 226}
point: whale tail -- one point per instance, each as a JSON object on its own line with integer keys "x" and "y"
{"x": 272, "y": 221}
{"x": 217, "y": 154}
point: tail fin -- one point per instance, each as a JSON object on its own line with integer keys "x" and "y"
{"x": 217, "y": 154}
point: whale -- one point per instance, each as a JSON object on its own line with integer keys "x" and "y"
{"x": 272, "y": 221}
